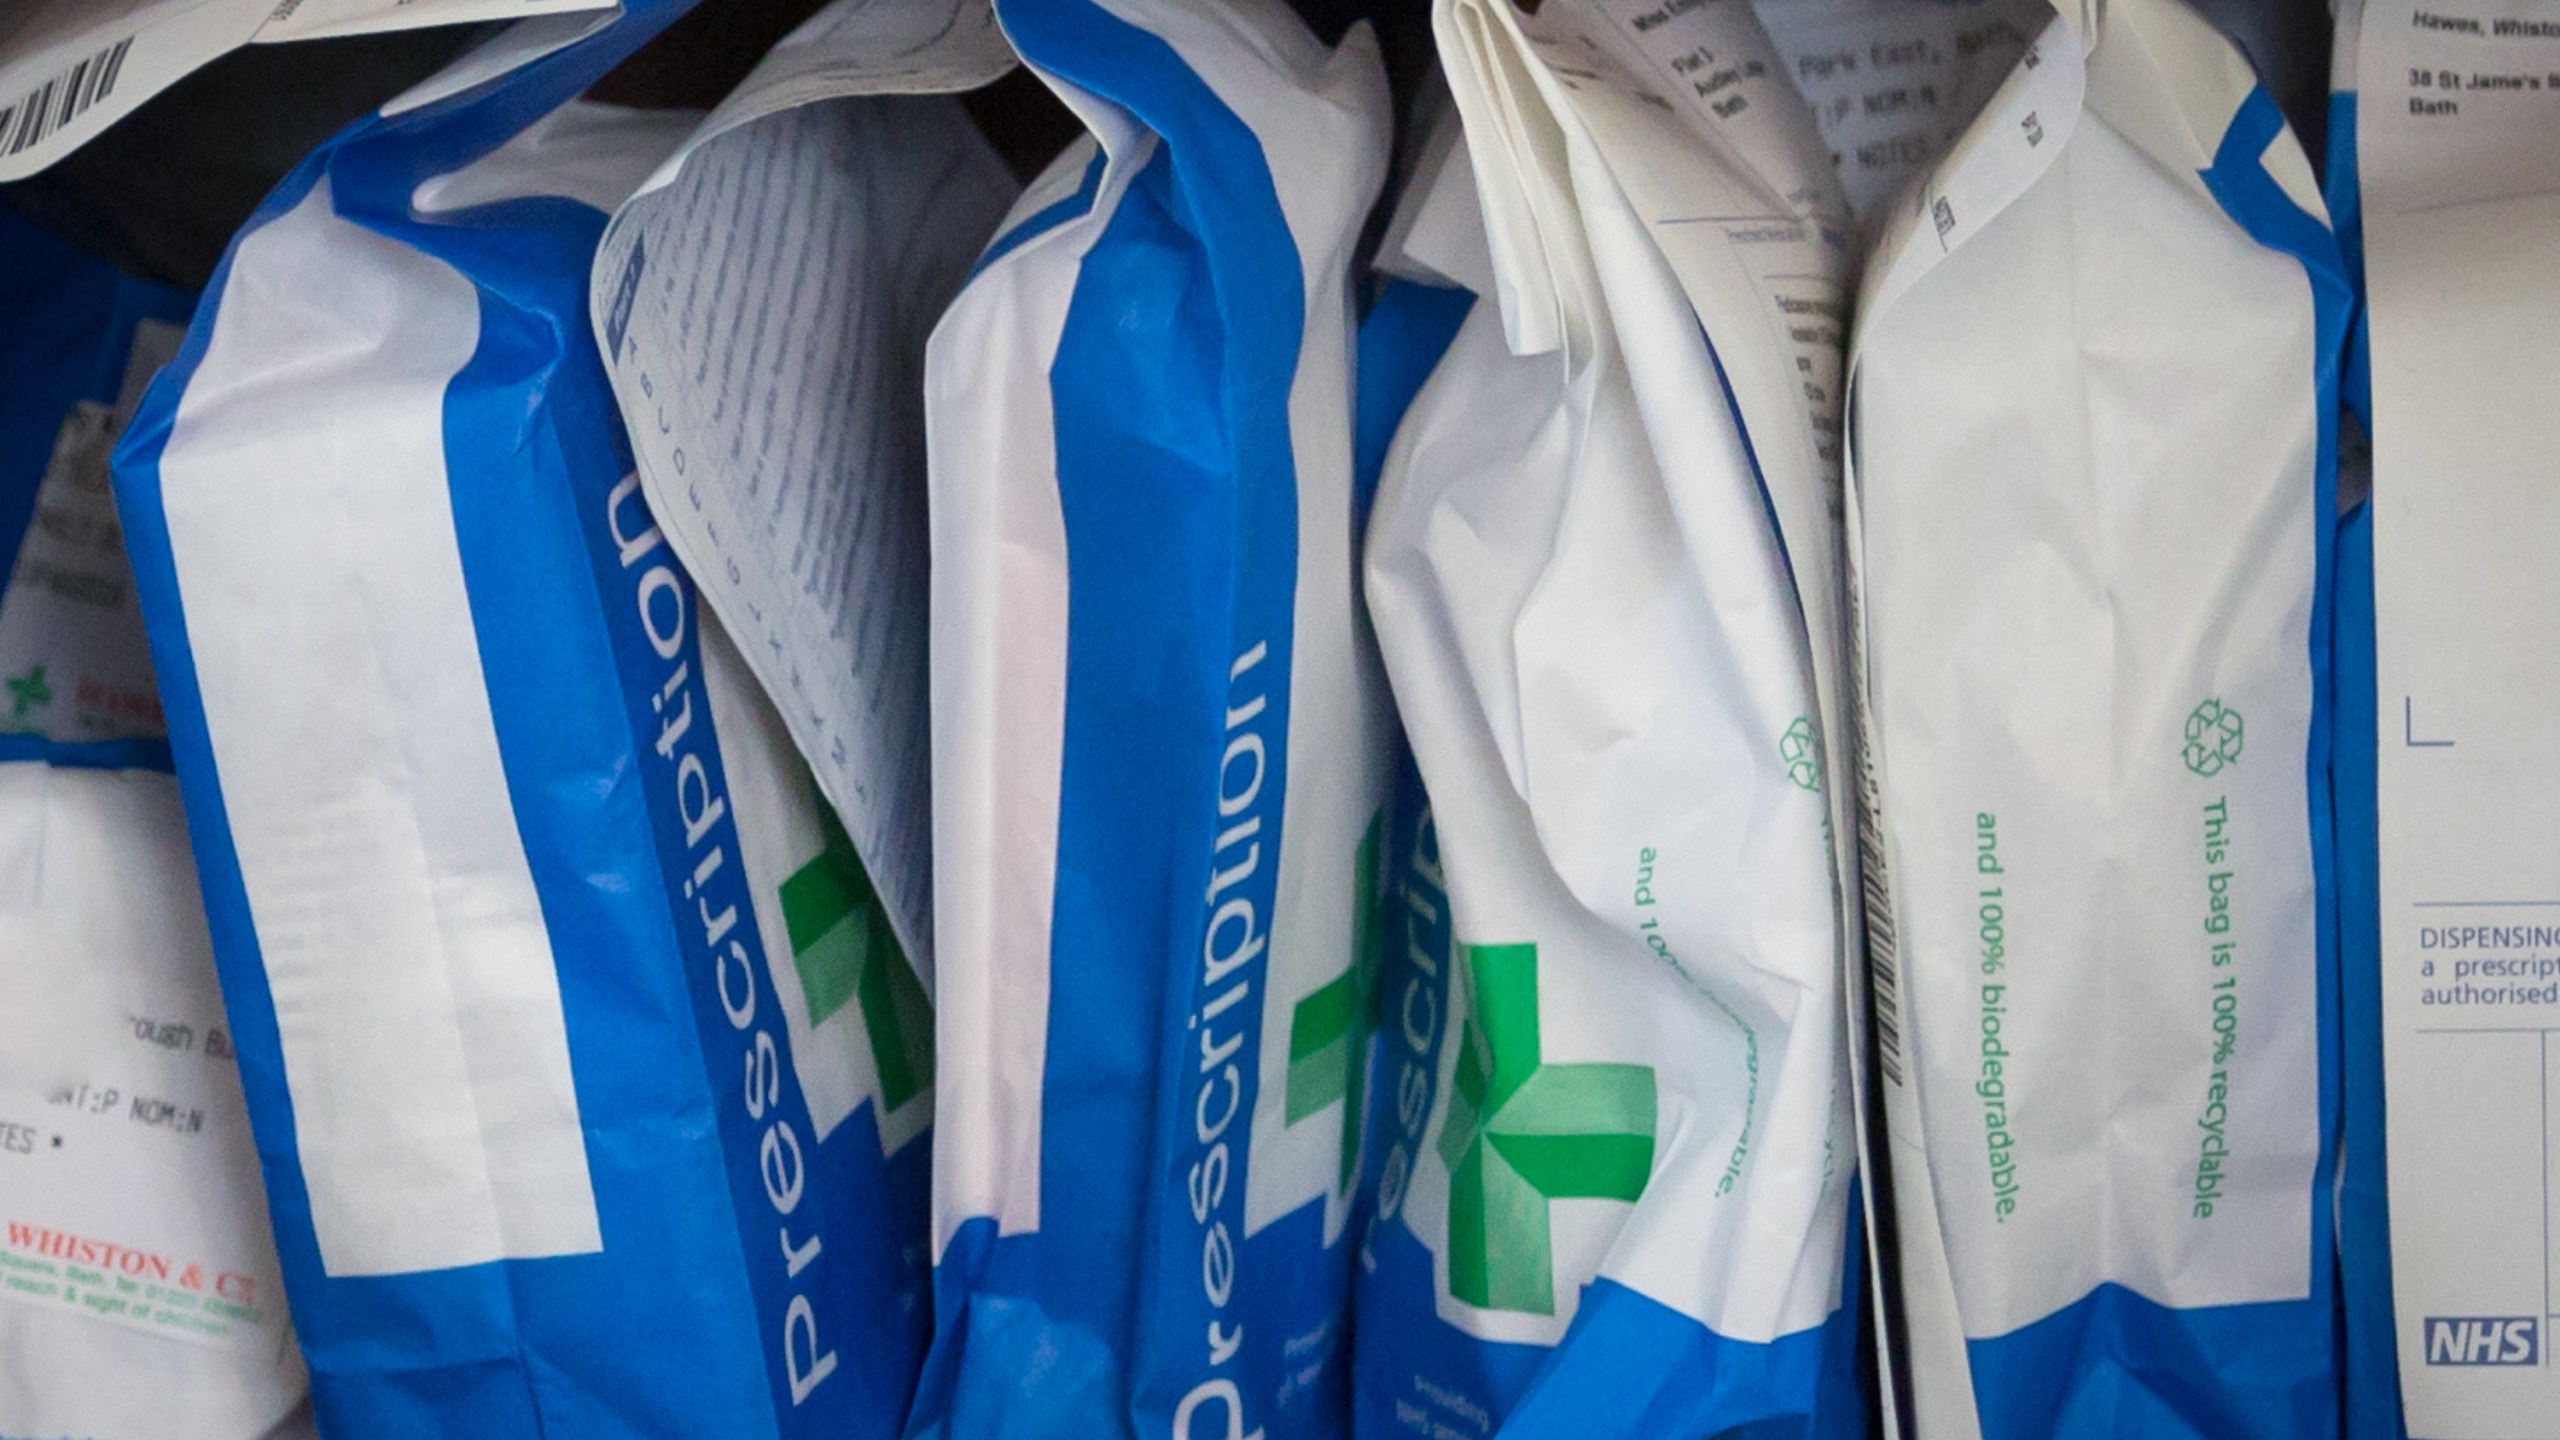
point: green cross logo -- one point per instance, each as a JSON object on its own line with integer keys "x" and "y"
{"x": 1329, "y": 1031}
{"x": 1801, "y": 754}
{"x": 1521, "y": 1133}
{"x": 845, "y": 951}
{"x": 28, "y": 692}
{"x": 2214, "y": 734}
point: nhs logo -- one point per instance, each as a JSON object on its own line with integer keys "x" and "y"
{"x": 2483, "y": 1340}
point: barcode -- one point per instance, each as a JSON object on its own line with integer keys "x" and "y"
{"x": 1884, "y": 973}
{"x": 57, "y": 102}
{"x": 1884, "y": 979}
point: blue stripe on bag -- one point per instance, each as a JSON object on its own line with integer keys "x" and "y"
{"x": 2372, "y": 1341}
{"x": 1048, "y": 217}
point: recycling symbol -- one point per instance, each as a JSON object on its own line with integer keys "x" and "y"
{"x": 1798, "y": 749}
{"x": 2214, "y": 736}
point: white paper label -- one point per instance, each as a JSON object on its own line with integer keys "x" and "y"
{"x": 2458, "y": 115}
{"x": 763, "y": 304}
{"x": 128, "y": 1187}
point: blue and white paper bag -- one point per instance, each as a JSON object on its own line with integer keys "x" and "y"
{"x": 2092, "y": 490}
{"x": 1161, "y": 743}
{"x": 587, "y": 1077}
{"x": 1617, "y": 1193}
